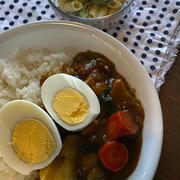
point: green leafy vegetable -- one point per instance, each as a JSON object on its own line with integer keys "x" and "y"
{"x": 106, "y": 100}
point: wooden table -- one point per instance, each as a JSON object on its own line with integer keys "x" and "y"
{"x": 169, "y": 165}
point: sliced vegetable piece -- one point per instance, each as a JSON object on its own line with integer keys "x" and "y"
{"x": 114, "y": 155}
{"x": 120, "y": 124}
{"x": 120, "y": 92}
{"x": 63, "y": 167}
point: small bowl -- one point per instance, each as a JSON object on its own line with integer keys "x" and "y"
{"x": 101, "y": 22}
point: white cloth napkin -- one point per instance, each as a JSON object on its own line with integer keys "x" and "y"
{"x": 151, "y": 30}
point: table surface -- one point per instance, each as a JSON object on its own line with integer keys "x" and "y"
{"x": 169, "y": 165}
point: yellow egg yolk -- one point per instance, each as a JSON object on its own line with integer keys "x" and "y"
{"x": 71, "y": 106}
{"x": 32, "y": 141}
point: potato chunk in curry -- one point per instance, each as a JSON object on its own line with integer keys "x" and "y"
{"x": 63, "y": 167}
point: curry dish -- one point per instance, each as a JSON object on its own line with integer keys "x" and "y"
{"x": 87, "y": 155}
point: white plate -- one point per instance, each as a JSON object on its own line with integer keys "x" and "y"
{"x": 73, "y": 38}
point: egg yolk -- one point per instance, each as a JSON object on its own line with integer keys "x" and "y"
{"x": 32, "y": 141}
{"x": 71, "y": 106}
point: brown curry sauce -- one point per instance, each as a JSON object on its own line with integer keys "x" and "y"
{"x": 114, "y": 95}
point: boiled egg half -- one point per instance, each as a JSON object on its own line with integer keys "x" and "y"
{"x": 29, "y": 138}
{"x": 69, "y": 101}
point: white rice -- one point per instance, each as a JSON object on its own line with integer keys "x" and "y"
{"x": 20, "y": 79}
{"x": 21, "y": 74}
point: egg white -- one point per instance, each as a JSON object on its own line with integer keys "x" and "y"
{"x": 57, "y": 82}
{"x": 12, "y": 113}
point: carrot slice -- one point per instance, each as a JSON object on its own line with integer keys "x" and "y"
{"x": 114, "y": 155}
{"x": 120, "y": 124}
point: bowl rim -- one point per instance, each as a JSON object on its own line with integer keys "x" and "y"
{"x": 123, "y": 8}
{"x": 31, "y": 26}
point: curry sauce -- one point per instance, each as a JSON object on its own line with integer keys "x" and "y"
{"x": 114, "y": 94}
